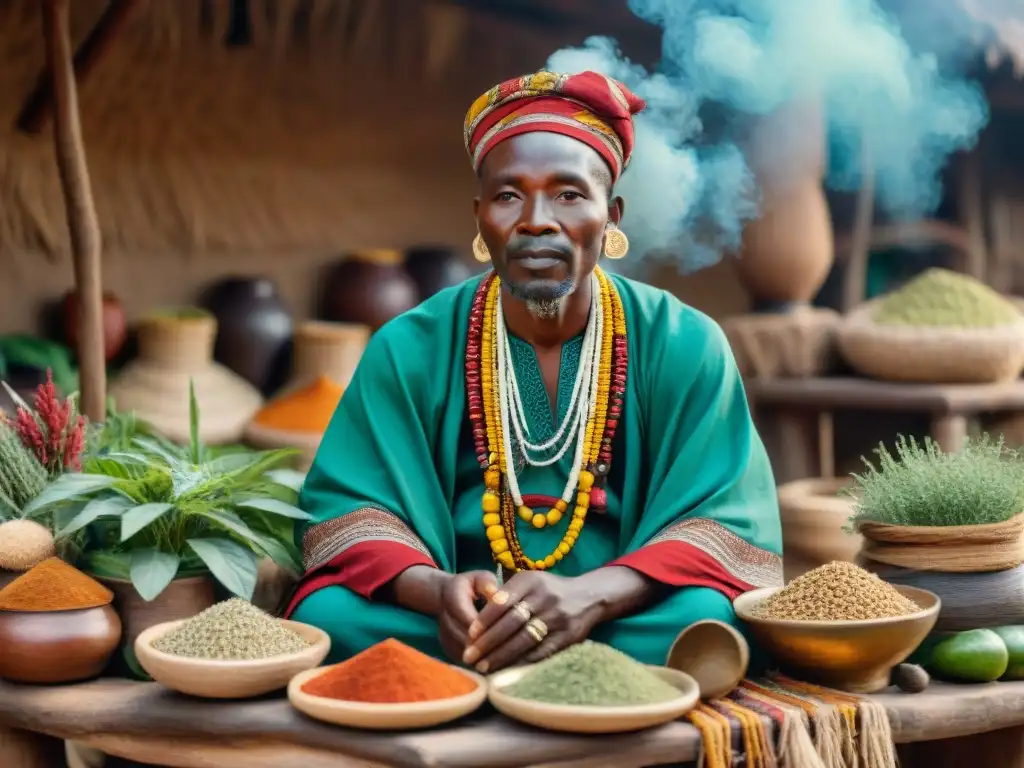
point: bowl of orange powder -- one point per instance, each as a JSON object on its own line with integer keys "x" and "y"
{"x": 56, "y": 625}
{"x": 389, "y": 686}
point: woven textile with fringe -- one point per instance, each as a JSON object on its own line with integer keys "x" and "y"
{"x": 816, "y": 727}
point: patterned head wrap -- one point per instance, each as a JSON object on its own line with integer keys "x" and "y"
{"x": 589, "y": 107}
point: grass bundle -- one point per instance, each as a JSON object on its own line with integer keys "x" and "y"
{"x": 923, "y": 485}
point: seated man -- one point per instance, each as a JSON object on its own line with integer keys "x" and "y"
{"x": 571, "y": 449}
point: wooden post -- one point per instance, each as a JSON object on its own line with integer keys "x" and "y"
{"x": 79, "y": 208}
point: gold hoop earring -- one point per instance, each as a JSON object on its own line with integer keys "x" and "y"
{"x": 616, "y": 244}
{"x": 480, "y": 252}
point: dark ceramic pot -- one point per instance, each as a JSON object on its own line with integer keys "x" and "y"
{"x": 57, "y": 646}
{"x": 254, "y": 330}
{"x": 115, "y": 324}
{"x": 434, "y": 268}
{"x": 369, "y": 289}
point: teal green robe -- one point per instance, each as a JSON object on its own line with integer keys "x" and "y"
{"x": 691, "y": 498}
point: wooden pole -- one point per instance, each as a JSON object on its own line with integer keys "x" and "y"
{"x": 39, "y": 105}
{"x": 79, "y": 208}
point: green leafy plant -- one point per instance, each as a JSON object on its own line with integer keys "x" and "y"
{"x": 162, "y": 511}
{"x": 922, "y": 485}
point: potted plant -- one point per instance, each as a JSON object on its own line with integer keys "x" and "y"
{"x": 159, "y": 522}
{"x": 948, "y": 522}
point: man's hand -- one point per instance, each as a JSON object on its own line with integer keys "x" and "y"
{"x": 458, "y": 610}
{"x": 450, "y": 598}
{"x": 533, "y": 616}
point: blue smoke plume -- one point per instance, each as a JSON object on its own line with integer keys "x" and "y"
{"x": 691, "y": 193}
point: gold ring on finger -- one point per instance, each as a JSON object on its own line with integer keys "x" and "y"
{"x": 524, "y": 610}
{"x": 537, "y": 629}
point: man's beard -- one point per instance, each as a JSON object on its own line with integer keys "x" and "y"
{"x": 543, "y": 298}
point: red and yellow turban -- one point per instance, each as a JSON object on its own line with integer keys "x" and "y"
{"x": 589, "y": 107}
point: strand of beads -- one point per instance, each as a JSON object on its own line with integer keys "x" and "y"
{"x": 606, "y": 380}
{"x": 588, "y": 372}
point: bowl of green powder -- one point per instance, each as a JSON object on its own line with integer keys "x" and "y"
{"x": 232, "y": 650}
{"x": 592, "y": 688}
{"x": 941, "y": 328}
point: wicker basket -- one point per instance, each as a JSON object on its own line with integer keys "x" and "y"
{"x": 950, "y": 549}
{"x": 931, "y": 355}
{"x": 797, "y": 345}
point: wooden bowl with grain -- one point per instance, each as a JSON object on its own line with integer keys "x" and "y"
{"x": 57, "y": 646}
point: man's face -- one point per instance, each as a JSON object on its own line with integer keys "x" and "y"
{"x": 542, "y": 211}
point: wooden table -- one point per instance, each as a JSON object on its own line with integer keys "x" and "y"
{"x": 794, "y": 415}
{"x": 144, "y": 722}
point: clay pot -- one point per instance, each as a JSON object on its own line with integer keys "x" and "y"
{"x": 182, "y": 599}
{"x": 115, "y": 324}
{"x": 254, "y": 330}
{"x": 788, "y": 252}
{"x": 434, "y": 268}
{"x": 57, "y": 646}
{"x": 369, "y": 288}
{"x": 814, "y": 517}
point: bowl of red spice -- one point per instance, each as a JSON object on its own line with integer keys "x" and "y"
{"x": 56, "y": 625}
{"x": 389, "y": 686}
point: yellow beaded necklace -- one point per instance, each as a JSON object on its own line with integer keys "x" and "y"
{"x": 499, "y": 511}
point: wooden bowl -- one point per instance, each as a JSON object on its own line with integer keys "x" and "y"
{"x": 385, "y": 717}
{"x": 57, "y": 646}
{"x": 855, "y": 656}
{"x": 225, "y": 679}
{"x": 593, "y": 719}
{"x": 712, "y": 653}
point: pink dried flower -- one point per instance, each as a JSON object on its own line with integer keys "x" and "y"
{"x": 74, "y": 446}
{"x": 55, "y": 432}
{"x": 31, "y": 435}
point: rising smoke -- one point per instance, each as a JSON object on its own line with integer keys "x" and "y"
{"x": 740, "y": 58}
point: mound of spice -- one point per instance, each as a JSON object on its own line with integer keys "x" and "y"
{"x": 940, "y": 298}
{"x": 390, "y": 672}
{"x": 308, "y": 409}
{"x": 235, "y": 630}
{"x": 592, "y": 674}
{"x": 53, "y": 585}
{"x": 836, "y": 591}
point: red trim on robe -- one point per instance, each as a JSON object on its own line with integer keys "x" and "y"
{"x": 364, "y": 568}
{"x": 678, "y": 564}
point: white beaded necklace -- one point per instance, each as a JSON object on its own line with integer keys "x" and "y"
{"x": 511, "y": 409}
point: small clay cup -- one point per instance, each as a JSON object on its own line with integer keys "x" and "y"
{"x": 57, "y": 646}
{"x": 714, "y": 654}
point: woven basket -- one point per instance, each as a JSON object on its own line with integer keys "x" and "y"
{"x": 797, "y": 345}
{"x": 930, "y": 355}
{"x": 813, "y": 518}
{"x": 950, "y": 549}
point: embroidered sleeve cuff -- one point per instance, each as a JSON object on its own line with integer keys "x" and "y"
{"x": 702, "y": 553}
{"x": 361, "y": 551}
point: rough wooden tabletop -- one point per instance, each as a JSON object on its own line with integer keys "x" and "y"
{"x": 848, "y": 392}
{"x": 140, "y": 711}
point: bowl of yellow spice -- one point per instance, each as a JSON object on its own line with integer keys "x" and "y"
{"x": 839, "y": 625}
{"x": 940, "y": 328}
{"x": 232, "y": 650}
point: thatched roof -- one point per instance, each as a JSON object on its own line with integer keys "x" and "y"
{"x": 196, "y": 144}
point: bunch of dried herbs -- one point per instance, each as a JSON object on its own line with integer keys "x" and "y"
{"x": 923, "y": 485}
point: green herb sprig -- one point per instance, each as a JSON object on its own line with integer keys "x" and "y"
{"x": 923, "y": 485}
